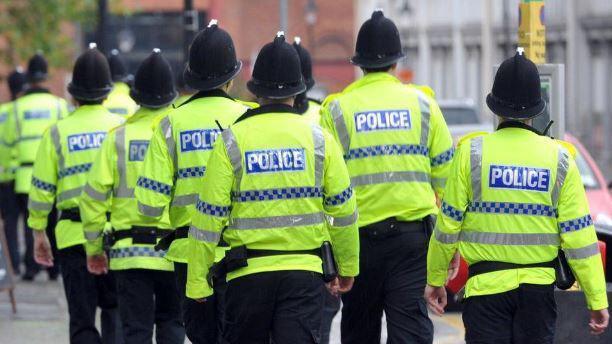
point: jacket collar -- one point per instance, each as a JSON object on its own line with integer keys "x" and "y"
{"x": 34, "y": 90}
{"x": 371, "y": 78}
{"x": 146, "y": 113}
{"x": 517, "y": 124}
{"x": 210, "y": 93}
{"x": 264, "y": 109}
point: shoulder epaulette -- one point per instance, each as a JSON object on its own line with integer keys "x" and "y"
{"x": 572, "y": 150}
{"x": 468, "y": 137}
{"x": 428, "y": 91}
{"x": 250, "y": 105}
{"x": 330, "y": 98}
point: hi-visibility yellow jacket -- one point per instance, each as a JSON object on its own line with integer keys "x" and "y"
{"x": 119, "y": 101}
{"x": 8, "y": 163}
{"x": 313, "y": 113}
{"x": 33, "y": 113}
{"x": 176, "y": 160}
{"x": 273, "y": 178}
{"x": 110, "y": 188}
{"x": 67, "y": 150}
{"x": 396, "y": 145}
{"x": 515, "y": 196}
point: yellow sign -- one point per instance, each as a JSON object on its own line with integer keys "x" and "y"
{"x": 532, "y": 31}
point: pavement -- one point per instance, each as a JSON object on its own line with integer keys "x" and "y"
{"x": 42, "y": 317}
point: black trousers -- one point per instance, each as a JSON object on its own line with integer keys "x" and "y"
{"x": 525, "y": 315}
{"x": 32, "y": 268}
{"x": 392, "y": 279}
{"x": 203, "y": 321}
{"x": 10, "y": 215}
{"x": 84, "y": 293}
{"x": 285, "y": 306}
{"x": 330, "y": 309}
{"x": 147, "y": 299}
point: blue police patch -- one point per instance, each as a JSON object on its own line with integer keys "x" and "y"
{"x": 37, "y": 114}
{"x": 199, "y": 139}
{"x": 519, "y": 177}
{"x": 85, "y": 141}
{"x": 138, "y": 150}
{"x": 3, "y": 117}
{"x": 383, "y": 120}
{"x": 275, "y": 160}
{"x": 118, "y": 111}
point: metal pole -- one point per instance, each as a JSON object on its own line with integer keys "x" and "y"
{"x": 486, "y": 52}
{"x": 424, "y": 71}
{"x": 283, "y": 12}
{"x": 507, "y": 34}
{"x": 190, "y": 21}
{"x": 102, "y": 20}
{"x": 458, "y": 51}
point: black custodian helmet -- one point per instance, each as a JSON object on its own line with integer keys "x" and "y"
{"x": 119, "y": 72}
{"x": 305, "y": 62}
{"x": 212, "y": 59}
{"x": 378, "y": 43}
{"x": 16, "y": 81}
{"x": 154, "y": 82}
{"x": 37, "y": 68}
{"x": 277, "y": 73}
{"x": 91, "y": 78}
{"x": 516, "y": 92}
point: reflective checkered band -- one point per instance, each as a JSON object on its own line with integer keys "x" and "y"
{"x": 512, "y": 208}
{"x": 191, "y": 172}
{"x": 340, "y": 198}
{"x": 443, "y": 158}
{"x": 274, "y": 194}
{"x": 452, "y": 212}
{"x": 154, "y": 185}
{"x": 84, "y": 168}
{"x": 211, "y": 209}
{"x": 365, "y": 152}
{"x": 576, "y": 224}
{"x": 39, "y": 184}
{"x": 135, "y": 251}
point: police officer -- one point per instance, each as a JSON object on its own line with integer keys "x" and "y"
{"x": 119, "y": 101}
{"x": 65, "y": 155}
{"x": 185, "y": 92}
{"x": 147, "y": 292}
{"x": 308, "y": 107}
{"x": 8, "y": 207}
{"x": 398, "y": 150}
{"x": 176, "y": 159}
{"x": 512, "y": 199}
{"x": 281, "y": 176}
{"x": 33, "y": 113}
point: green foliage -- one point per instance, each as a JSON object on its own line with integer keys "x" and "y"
{"x": 32, "y": 25}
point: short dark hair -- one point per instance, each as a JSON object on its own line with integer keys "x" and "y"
{"x": 378, "y": 69}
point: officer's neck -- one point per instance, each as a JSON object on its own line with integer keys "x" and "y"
{"x": 267, "y": 101}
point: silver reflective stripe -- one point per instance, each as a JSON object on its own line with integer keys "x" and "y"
{"x": 59, "y": 109}
{"x": 184, "y": 200}
{"x": 390, "y": 177}
{"x": 476, "y": 168}
{"x": 150, "y": 211}
{"x": 170, "y": 143}
{"x": 277, "y": 221}
{"x": 91, "y": 236}
{"x": 583, "y": 252}
{"x": 510, "y": 238}
{"x": 69, "y": 194}
{"x": 562, "y": 167}
{"x": 42, "y": 206}
{"x": 95, "y": 194}
{"x": 55, "y": 137}
{"x": 341, "y": 130}
{"x": 344, "y": 220}
{"x": 135, "y": 251}
{"x": 445, "y": 238}
{"x": 204, "y": 235}
{"x": 319, "y": 150}
{"x": 425, "y": 115}
{"x": 233, "y": 151}
{"x": 17, "y": 121}
{"x": 122, "y": 189}
{"x": 438, "y": 182}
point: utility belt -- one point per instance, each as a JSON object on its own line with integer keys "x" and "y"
{"x": 564, "y": 278}
{"x": 138, "y": 234}
{"x": 74, "y": 215}
{"x": 26, "y": 164}
{"x": 237, "y": 257}
{"x": 392, "y": 227}
{"x": 179, "y": 233}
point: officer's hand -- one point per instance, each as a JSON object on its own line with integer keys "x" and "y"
{"x": 599, "y": 321}
{"x": 453, "y": 267}
{"x": 42, "y": 249}
{"x": 436, "y": 299}
{"x": 340, "y": 285}
{"x": 98, "y": 264}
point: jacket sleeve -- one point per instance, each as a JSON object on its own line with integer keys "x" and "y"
{"x": 96, "y": 197}
{"x": 578, "y": 238}
{"x": 441, "y": 149}
{"x": 443, "y": 242}
{"x": 10, "y": 133}
{"x": 341, "y": 209}
{"x": 208, "y": 219}
{"x": 44, "y": 183}
{"x": 156, "y": 181}
{"x": 327, "y": 118}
